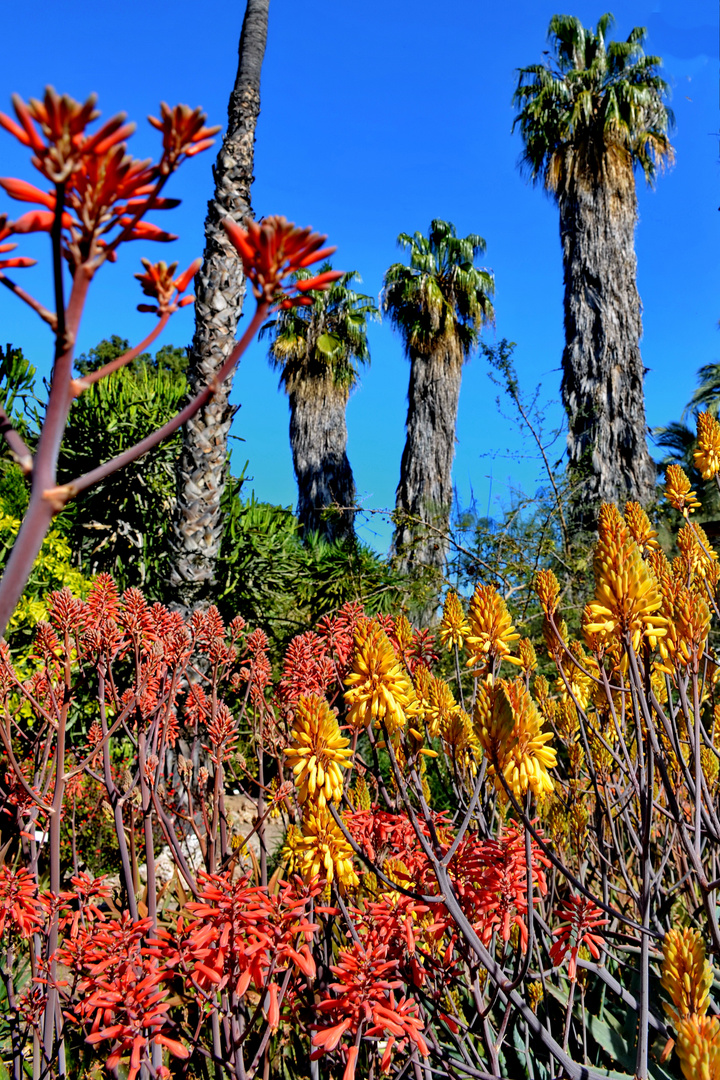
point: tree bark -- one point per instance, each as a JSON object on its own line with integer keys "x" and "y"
{"x": 425, "y": 488}
{"x": 318, "y": 439}
{"x": 219, "y": 291}
{"x": 602, "y": 385}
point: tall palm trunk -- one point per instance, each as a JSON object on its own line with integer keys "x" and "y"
{"x": 425, "y": 488}
{"x": 318, "y": 438}
{"x": 219, "y": 290}
{"x": 602, "y": 385}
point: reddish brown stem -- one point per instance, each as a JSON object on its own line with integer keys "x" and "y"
{"x": 78, "y": 385}
{"x": 45, "y": 315}
{"x": 68, "y": 491}
{"x": 16, "y": 443}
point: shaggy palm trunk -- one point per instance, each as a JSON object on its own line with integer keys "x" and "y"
{"x": 602, "y": 384}
{"x": 219, "y": 291}
{"x": 318, "y": 439}
{"x": 424, "y": 495}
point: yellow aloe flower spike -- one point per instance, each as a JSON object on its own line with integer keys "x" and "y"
{"x": 379, "y": 687}
{"x": 697, "y": 551}
{"x": 678, "y": 490}
{"x": 509, "y": 728}
{"x": 317, "y": 753}
{"x": 492, "y": 633}
{"x": 454, "y": 626}
{"x": 686, "y": 974}
{"x": 707, "y": 453}
{"x": 688, "y": 624}
{"x": 698, "y": 1047}
{"x": 627, "y": 599}
{"x": 441, "y": 705}
{"x": 527, "y": 654}
{"x": 322, "y": 850}
{"x": 640, "y": 527}
{"x": 547, "y": 588}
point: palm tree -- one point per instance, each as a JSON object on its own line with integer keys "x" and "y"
{"x": 219, "y": 291}
{"x": 317, "y": 350}
{"x": 439, "y": 304}
{"x": 589, "y": 116}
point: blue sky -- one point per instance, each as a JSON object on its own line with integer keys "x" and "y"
{"x": 377, "y": 117}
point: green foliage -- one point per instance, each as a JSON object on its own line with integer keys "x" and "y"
{"x": 441, "y": 295}
{"x": 168, "y": 358}
{"x": 276, "y": 580}
{"x": 120, "y": 525}
{"x": 54, "y": 568}
{"x": 592, "y": 105}
{"x": 328, "y": 337}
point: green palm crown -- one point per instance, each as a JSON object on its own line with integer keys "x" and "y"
{"x": 592, "y": 107}
{"x": 325, "y": 339}
{"x": 441, "y": 296}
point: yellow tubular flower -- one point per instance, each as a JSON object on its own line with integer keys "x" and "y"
{"x": 422, "y": 679}
{"x": 318, "y": 753}
{"x": 697, "y": 551}
{"x": 527, "y": 759}
{"x": 686, "y": 974}
{"x": 454, "y": 627}
{"x": 678, "y": 490}
{"x": 322, "y": 850}
{"x": 640, "y": 528}
{"x": 492, "y": 633}
{"x": 627, "y": 598}
{"x": 707, "y": 453}
{"x": 528, "y": 656}
{"x": 509, "y": 728}
{"x": 361, "y": 794}
{"x": 461, "y": 741}
{"x": 688, "y": 625}
{"x": 441, "y": 705}
{"x": 698, "y": 1047}
{"x": 379, "y": 688}
{"x": 547, "y": 588}
{"x": 580, "y": 685}
{"x": 404, "y": 633}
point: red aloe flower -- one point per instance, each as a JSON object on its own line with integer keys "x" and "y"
{"x": 120, "y": 990}
{"x": 580, "y": 916}
{"x": 242, "y": 934}
{"x": 184, "y": 133}
{"x": 17, "y": 261}
{"x": 364, "y": 995}
{"x": 307, "y": 669}
{"x": 159, "y": 282}
{"x": 223, "y": 734}
{"x": 21, "y": 911}
{"x": 272, "y": 250}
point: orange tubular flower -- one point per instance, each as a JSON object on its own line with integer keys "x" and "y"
{"x": 184, "y": 134}
{"x": 272, "y": 250}
{"x": 579, "y": 917}
{"x": 547, "y": 588}
{"x": 640, "y": 527}
{"x": 158, "y": 281}
{"x": 102, "y": 186}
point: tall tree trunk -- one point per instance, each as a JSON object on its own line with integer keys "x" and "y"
{"x": 318, "y": 438}
{"x": 425, "y": 488}
{"x": 602, "y": 385}
{"x": 219, "y": 290}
